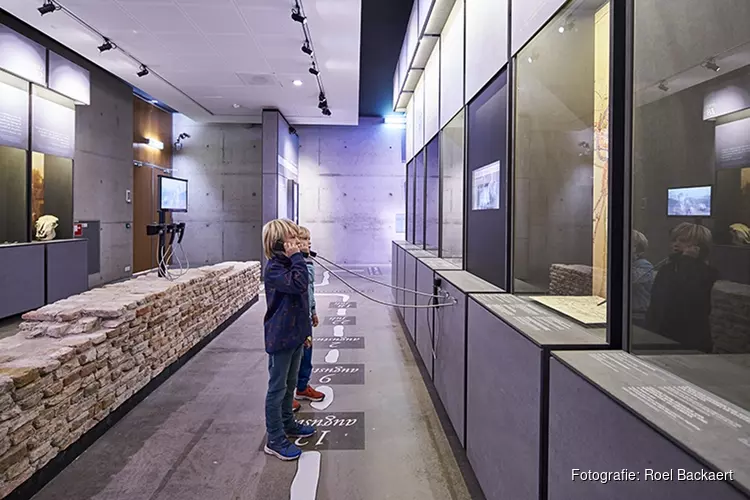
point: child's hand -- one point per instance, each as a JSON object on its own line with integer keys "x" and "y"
{"x": 692, "y": 251}
{"x": 291, "y": 247}
{"x": 308, "y": 342}
{"x": 315, "y": 321}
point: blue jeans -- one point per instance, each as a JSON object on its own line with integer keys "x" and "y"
{"x": 283, "y": 368}
{"x": 305, "y": 369}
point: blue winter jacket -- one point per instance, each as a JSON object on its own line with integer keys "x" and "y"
{"x": 311, "y": 286}
{"x": 287, "y": 320}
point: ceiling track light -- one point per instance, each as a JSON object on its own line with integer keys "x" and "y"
{"x": 297, "y": 15}
{"x": 321, "y": 97}
{"x": 314, "y": 71}
{"x": 711, "y": 65}
{"x": 143, "y": 72}
{"x": 326, "y": 112}
{"x": 47, "y": 7}
{"x": 107, "y": 45}
{"x": 663, "y": 86}
{"x": 307, "y": 49}
{"x": 323, "y": 104}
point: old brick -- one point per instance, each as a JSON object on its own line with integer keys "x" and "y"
{"x": 21, "y": 376}
{"x": 17, "y": 469}
{"x": 40, "y": 451}
{"x": 12, "y": 457}
{"x": 30, "y": 401}
{"x": 72, "y": 377}
{"x": 37, "y": 386}
{"x": 52, "y": 389}
{"x": 84, "y": 325}
{"x": 22, "y": 433}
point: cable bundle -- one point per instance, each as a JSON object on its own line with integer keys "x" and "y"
{"x": 163, "y": 261}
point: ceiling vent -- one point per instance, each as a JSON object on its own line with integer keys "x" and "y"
{"x": 258, "y": 80}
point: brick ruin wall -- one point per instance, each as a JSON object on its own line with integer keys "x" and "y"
{"x": 75, "y": 361}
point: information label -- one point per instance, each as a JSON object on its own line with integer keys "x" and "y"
{"x": 14, "y": 116}
{"x": 342, "y": 305}
{"x": 335, "y": 431}
{"x": 339, "y": 342}
{"x": 53, "y": 128}
{"x": 340, "y": 320}
{"x": 353, "y": 374}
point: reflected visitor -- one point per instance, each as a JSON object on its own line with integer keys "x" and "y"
{"x": 643, "y": 277}
{"x": 681, "y": 294}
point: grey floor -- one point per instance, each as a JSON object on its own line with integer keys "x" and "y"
{"x": 200, "y": 434}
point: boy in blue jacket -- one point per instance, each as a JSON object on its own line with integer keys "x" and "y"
{"x": 304, "y": 390}
{"x": 287, "y": 327}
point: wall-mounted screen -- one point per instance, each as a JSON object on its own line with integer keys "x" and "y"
{"x": 689, "y": 201}
{"x": 485, "y": 187}
{"x": 173, "y": 194}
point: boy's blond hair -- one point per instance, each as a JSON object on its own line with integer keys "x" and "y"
{"x": 275, "y": 230}
{"x": 699, "y": 236}
{"x": 304, "y": 233}
{"x": 640, "y": 244}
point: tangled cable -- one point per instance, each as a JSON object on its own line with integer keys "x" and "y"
{"x": 162, "y": 259}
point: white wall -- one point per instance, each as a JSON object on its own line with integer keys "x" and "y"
{"x": 418, "y": 100}
{"x": 452, "y": 65}
{"x": 486, "y": 42}
{"x": 528, "y": 16}
{"x": 431, "y": 79}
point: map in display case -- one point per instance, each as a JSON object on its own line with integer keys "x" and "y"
{"x": 588, "y": 310}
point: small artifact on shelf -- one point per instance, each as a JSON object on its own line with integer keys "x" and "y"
{"x": 45, "y": 227}
{"x": 740, "y": 234}
{"x": 570, "y": 279}
{"x": 589, "y": 310}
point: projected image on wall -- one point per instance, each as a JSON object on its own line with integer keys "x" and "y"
{"x": 485, "y": 187}
{"x": 689, "y": 202}
{"x": 172, "y": 194}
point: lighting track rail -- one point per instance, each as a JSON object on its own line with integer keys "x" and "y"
{"x": 298, "y": 15}
{"x": 109, "y": 44}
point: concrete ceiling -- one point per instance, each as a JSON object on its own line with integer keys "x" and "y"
{"x": 212, "y": 55}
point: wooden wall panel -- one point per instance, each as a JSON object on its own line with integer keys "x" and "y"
{"x": 148, "y": 122}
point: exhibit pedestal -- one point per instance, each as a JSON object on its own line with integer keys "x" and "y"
{"x": 399, "y": 270}
{"x": 449, "y": 372}
{"x": 611, "y": 411}
{"x": 410, "y": 283}
{"x": 509, "y": 340}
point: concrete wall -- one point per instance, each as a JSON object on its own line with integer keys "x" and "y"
{"x": 222, "y": 163}
{"x": 103, "y": 171}
{"x": 352, "y": 189}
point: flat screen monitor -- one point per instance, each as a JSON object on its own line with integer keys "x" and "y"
{"x": 485, "y": 187}
{"x": 173, "y": 194}
{"x": 689, "y": 201}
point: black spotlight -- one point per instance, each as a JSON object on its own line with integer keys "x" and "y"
{"x": 321, "y": 97}
{"x": 314, "y": 71}
{"x": 326, "y": 112}
{"x": 323, "y": 104}
{"x": 47, "y": 7}
{"x": 107, "y": 45}
{"x": 143, "y": 72}
{"x": 296, "y": 16}
{"x": 307, "y": 49}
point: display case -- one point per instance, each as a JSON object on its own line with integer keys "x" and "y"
{"x": 561, "y": 153}
{"x": 13, "y": 212}
{"x": 690, "y": 239}
{"x": 452, "y": 189}
{"x": 409, "y": 186}
{"x": 432, "y": 196}
{"x": 419, "y": 199}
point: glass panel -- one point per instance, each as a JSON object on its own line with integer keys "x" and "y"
{"x": 433, "y": 195}
{"x": 419, "y": 193}
{"x": 13, "y": 217}
{"x": 452, "y": 178}
{"x": 561, "y": 163}
{"x": 690, "y": 271}
{"x": 410, "y": 202}
{"x": 51, "y": 196}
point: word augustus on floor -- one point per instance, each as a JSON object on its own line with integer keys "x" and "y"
{"x": 680, "y": 475}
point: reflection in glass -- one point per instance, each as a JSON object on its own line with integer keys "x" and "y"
{"x": 13, "y": 228}
{"x": 410, "y": 202}
{"x": 419, "y": 197}
{"x": 432, "y": 208}
{"x": 52, "y": 192}
{"x": 562, "y": 161}
{"x": 452, "y": 178}
{"x": 690, "y": 273}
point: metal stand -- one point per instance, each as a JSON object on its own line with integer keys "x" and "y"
{"x": 162, "y": 246}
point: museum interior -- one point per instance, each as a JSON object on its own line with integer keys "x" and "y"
{"x": 531, "y": 232}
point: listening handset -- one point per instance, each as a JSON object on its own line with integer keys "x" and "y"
{"x": 279, "y": 246}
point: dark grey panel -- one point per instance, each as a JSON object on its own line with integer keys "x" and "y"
{"x": 469, "y": 283}
{"x": 92, "y": 232}
{"x": 503, "y": 407}
{"x": 425, "y": 322}
{"x": 21, "y": 278}
{"x": 400, "y": 295}
{"x": 410, "y": 282}
{"x": 394, "y": 270}
{"x": 344, "y": 374}
{"x": 14, "y": 115}
{"x": 340, "y": 320}
{"x": 53, "y": 127}
{"x": 58, "y": 193}
{"x": 336, "y": 431}
{"x": 450, "y": 365}
{"x": 67, "y": 269}
{"x": 733, "y": 144}
{"x": 590, "y": 431}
